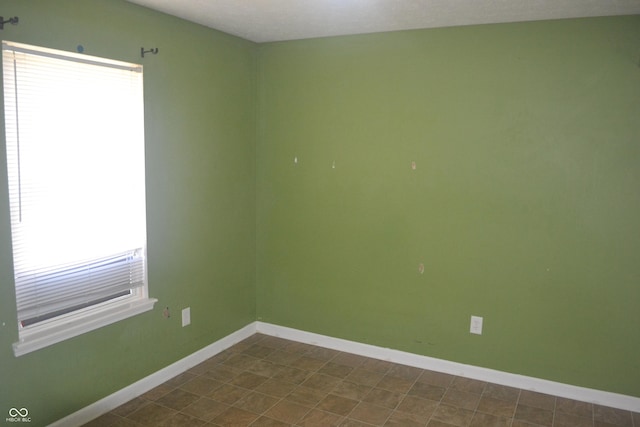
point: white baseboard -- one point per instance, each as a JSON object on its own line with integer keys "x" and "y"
{"x": 134, "y": 390}
{"x": 583, "y": 394}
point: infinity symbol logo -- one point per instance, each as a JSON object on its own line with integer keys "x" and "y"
{"x": 22, "y": 412}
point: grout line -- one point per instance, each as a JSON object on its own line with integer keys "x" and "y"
{"x": 475, "y": 409}
{"x": 553, "y": 418}
{"x": 515, "y": 408}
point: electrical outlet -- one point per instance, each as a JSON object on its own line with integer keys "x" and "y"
{"x": 186, "y": 316}
{"x": 476, "y": 325}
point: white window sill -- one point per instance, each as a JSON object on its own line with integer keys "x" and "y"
{"x": 32, "y": 339}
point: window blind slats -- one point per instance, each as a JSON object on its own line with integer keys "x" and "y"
{"x": 75, "y": 154}
{"x": 76, "y": 285}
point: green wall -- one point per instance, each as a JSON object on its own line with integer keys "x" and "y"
{"x": 200, "y": 148}
{"x": 524, "y": 205}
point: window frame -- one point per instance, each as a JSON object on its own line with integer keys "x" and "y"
{"x": 81, "y": 319}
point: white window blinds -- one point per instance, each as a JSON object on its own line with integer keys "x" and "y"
{"x": 75, "y": 155}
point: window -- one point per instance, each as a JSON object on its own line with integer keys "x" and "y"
{"x": 75, "y": 159}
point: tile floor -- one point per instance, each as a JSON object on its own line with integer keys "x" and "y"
{"x": 268, "y": 381}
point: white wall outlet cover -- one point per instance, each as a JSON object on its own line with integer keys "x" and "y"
{"x": 186, "y": 316}
{"x": 476, "y": 325}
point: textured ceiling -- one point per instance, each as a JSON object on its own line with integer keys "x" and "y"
{"x": 274, "y": 20}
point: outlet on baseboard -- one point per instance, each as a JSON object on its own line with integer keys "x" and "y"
{"x": 476, "y": 325}
{"x": 186, "y": 316}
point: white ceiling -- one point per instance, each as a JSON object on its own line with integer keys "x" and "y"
{"x": 275, "y": 20}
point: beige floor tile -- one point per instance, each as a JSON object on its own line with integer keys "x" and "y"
{"x": 248, "y": 380}
{"x": 436, "y": 423}
{"x": 282, "y": 357}
{"x": 348, "y": 359}
{"x": 532, "y": 415}
{"x": 403, "y": 419}
{"x": 351, "y": 390}
{"x": 240, "y": 361}
{"x": 276, "y": 388}
{"x": 321, "y": 382}
{"x": 396, "y": 384}
{"x": 258, "y": 351}
{"x": 287, "y": 411}
{"x": 272, "y": 382}
{"x": 502, "y": 408}
{"x": 269, "y": 422}
{"x": 151, "y": 415}
{"x": 405, "y": 372}
{"x": 274, "y": 342}
{"x": 537, "y": 400}
{"x": 381, "y": 397}
{"x": 335, "y": 370}
{"x": 307, "y": 396}
{"x": 201, "y": 386}
{"x": 436, "y": 378}
{"x": 177, "y": 399}
{"x": 501, "y": 392}
{"x": 350, "y": 422}
{"x": 203, "y": 367}
{"x": 178, "y": 380}
{"x": 369, "y": 413}
{"x": 613, "y": 416}
{"x": 318, "y": 418}
{"x": 461, "y": 399}
{"x": 205, "y": 409}
{"x": 452, "y": 415}
{"x": 130, "y": 407}
{"x": 421, "y": 407}
{"x": 157, "y": 392}
{"x": 337, "y": 405}
{"x": 520, "y": 423}
{"x": 106, "y": 420}
{"x": 180, "y": 420}
{"x": 235, "y": 417}
{"x": 364, "y": 376}
{"x": 427, "y": 391}
{"x": 228, "y": 394}
{"x": 125, "y": 422}
{"x": 222, "y": 373}
{"x": 265, "y": 368}
{"x": 469, "y": 385}
{"x": 375, "y": 365}
{"x": 487, "y": 420}
{"x": 256, "y": 402}
{"x": 562, "y": 419}
{"x": 321, "y": 353}
{"x": 292, "y": 375}
{"x": 298, "y": 347}
{"x": 574, "y": 407}
{"x": 308, "y": 363}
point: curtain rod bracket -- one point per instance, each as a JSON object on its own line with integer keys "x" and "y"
{"x": 142, "y": 51}
{"x": 12, "y": 21}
